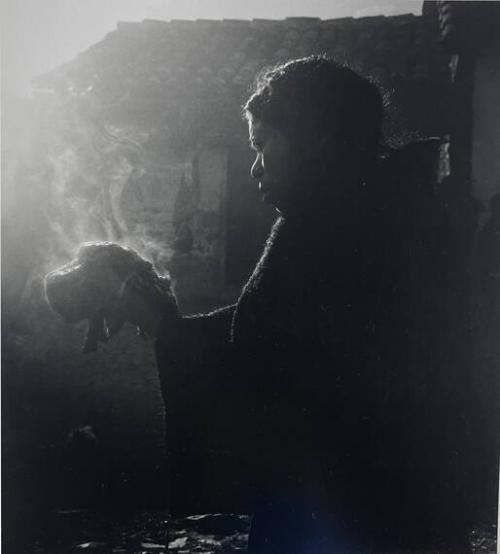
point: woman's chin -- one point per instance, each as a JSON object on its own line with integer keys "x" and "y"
{"x": 267, "y": 197}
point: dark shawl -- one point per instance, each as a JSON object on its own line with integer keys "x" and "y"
{"x": 340, "y": 349}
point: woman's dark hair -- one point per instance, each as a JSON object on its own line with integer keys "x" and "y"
{"x": 317, "y": 95}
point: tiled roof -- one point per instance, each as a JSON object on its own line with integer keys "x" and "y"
{"x": 188, "y": 79}
{"x": 228, "y": 53}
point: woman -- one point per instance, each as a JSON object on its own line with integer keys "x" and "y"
{"x": 326, "y": 400}
{"x": 305, "y": 393}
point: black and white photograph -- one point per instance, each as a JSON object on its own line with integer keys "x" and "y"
{"x": 250, "y": 276}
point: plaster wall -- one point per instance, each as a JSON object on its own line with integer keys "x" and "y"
{"x": 198, "y": 269}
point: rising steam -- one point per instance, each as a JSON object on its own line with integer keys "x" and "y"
{"x": 64, "y": 185}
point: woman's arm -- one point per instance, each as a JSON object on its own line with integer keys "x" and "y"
{"x": 198, "y": 372}
{"x": 195, "y": 360}
{"x": 188, "y": 338}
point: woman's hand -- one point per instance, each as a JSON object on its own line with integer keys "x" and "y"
{"x": 110, "y": 285}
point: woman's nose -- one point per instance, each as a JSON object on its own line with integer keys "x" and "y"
{"x": 257, "y": 170}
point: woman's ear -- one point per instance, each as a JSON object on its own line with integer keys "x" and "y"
{"x": 318, "y": 148}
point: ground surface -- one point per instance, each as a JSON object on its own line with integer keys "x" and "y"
{"x": 74, "y": 531}
{"x": 79, "y": 531}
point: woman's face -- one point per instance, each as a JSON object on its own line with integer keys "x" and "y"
{"x": 275, "y": 165}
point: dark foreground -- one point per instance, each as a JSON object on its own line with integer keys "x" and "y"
{"x": 74, "y": 531}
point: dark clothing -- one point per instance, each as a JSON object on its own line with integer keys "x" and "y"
{"x": 333, "y": 359}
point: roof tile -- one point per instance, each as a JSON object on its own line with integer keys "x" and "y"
{"x": 229, "y": 50}
{"x": 208, "y": 23}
